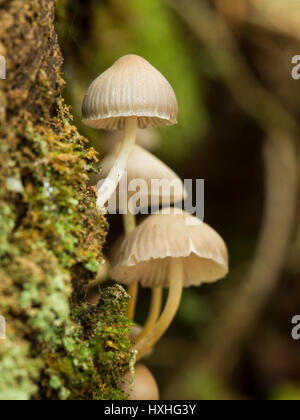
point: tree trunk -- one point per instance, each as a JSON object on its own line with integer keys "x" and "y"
{"x": 51, "y": 236}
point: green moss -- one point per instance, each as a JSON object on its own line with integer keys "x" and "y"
{"x": 87, "y": 362}
{"x": 52, "y": 238}
{"x": 18, "y": 372}
{"x": 51, "y": 235}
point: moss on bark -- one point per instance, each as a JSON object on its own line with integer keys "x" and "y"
{"x": 51, "y": 236}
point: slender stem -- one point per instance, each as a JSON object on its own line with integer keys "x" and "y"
{"x": 169, "y": 312}
{"x": 129, "y": 222}
{"x": 129, "y": 225}
{"x": 155, "y": 308}
{"x": 107, "y": 187}
{"x": 132, "y": 290}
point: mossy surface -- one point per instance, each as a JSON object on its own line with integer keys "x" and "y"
{"x": 51, "y": 235}
{"x": 87, "y": 362}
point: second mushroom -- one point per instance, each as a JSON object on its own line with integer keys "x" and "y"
{"x": 160, "y": 186}
{"x": 168, "y": 250}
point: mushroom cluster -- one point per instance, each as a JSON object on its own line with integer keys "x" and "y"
{"x": 130, "y": 94}
{"x": 170, "y": 248}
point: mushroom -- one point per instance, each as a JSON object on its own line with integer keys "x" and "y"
{"x": 144, "y": 165}
{"x": 168, "y": 250}
{"x": 130, "y": 94}
{"x": 143, "y": 387}
{"x": 154, "y": 311}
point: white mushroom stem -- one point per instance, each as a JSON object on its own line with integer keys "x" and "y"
{"x": 106, "y": 189}
{"x": 129, "y": 222}
{"x": 133, "y": 290}
{"x": 129, "y": 225}
{"x": 154, "y": 312}
{"x": 175, "y": 291}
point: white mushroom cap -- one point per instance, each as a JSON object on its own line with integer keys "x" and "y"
{"x": 131, "y": 87}
{"x": 145, "y": 254}
{"x": 145, "y": 166}
{"x": 144, "y": 386}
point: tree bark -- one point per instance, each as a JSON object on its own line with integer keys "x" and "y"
{"x": 51, "y": 236}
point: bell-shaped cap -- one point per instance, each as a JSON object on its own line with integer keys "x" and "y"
{"x": 131, "y": 87}
{"x": 144, "y": 256}
{"x": 161, "y": 184}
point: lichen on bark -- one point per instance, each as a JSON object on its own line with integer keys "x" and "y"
{"x": 51, "y": 236}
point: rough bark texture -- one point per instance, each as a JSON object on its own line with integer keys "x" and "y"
{"x": 51, "y": 237}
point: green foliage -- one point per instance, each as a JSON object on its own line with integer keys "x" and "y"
{"x": 202, "y": 385}
{"x": 286, "y": 392}
{"x": 158, "y": 38}
{"x": 194, "y": 310}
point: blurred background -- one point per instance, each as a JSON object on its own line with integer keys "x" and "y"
{"x": 230, "y": 64}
